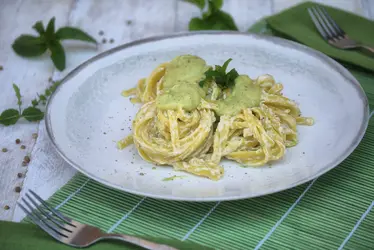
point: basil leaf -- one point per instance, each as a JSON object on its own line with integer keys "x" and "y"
{"x": 75, "y": 34}
{"x": 29, "y": 46}
{"x": 198, "y": 3}
{"x": 217, "y": 3}
{"x": 224, "y": 66}
{"x": 39, "y": 27}
{"x": 197, "y": 24}
{"x": 33, "y": 114}
{"x": 213, "y": 19}
{"x": 9, "y": 117}
{"x": 18, "y": 95}
{"x": 224, "y": 20}
{"x": 50, "y": 32}
{"x": 58, "y": 55}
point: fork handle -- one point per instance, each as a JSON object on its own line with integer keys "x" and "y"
{"x": 138, "y": 241}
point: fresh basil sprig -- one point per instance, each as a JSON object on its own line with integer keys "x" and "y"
{"x": 49, "y": 39}
{"x": 31, "y": 113}
{"x": 219, "y": 75}
{"x": 213, "y": 19}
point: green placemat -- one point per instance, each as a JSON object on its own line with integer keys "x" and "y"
{"x": 331, "y": 212}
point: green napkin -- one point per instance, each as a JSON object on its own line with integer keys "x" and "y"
{"x": 22, "y": 236}
{"x": 295, "y": 23}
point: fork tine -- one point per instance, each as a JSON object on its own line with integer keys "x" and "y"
{"x": 51, "y": 218}
{"x": 322, "y": 22}
{"x": 336, "y": 26}
{"x": 317, "y": 24}
{"x": 40, "y": 218}
{"x": 40, "y": 223}
{"x": 331, "y": 28}
{"x": 52, "y": 210}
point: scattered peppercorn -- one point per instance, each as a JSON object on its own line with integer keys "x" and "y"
{"x": 26, "y": 159}
{"x": 17, "y": 189}
{"x": 19, "y": 175}
{"x": 34, "y": 135}
{"x": 101, "y": 33}
{"x": 103, "y": 41}
{"x": 142, "y": 174}
{"x": 128, "y": 22}
{"x": 23, "y": 146}
{"x": 4, "y": 150}
{"x": 6, "y": 207}
{"x": 24, "y": 163}
{"x": 1, "y": 67}
{"x": 18, "y": 141}
{"x": 111, "y": 40}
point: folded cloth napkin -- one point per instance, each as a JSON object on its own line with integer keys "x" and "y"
{"x": 25, "y": 236}
{"x": 296, "y": 24}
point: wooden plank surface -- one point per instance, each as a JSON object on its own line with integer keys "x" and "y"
{"x": 17, "y": 17}
{"x": 120, "y": 20}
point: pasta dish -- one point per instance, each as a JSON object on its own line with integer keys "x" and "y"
{"x": 193, "y": 115}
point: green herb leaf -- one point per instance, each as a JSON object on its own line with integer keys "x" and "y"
{"x": 29, "y": 46}
{"x": 198, "y": 3}
{"x": 39, "y": 27}
{"x": 50, "y": 32}
{"x": 18, "y": 95}
{"x": 33, "y": 114}
{"x": 219, "y": 75}
{"x": 34, "y": 103}
{"x": 9, "y": 117}
{"x": 42, "y": 97}
{"x": 54, "y": 86}
{"x": 75, "y": 34}
{"x": 217, "y": 3}
{"x": 58, "y": 55}
{"x": 213, "y": 19}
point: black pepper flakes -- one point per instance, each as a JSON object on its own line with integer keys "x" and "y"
{"x": 6, "y": 207}
{"x": 104, "y": 133}
{"x": 103, "y": 41}
{"x": 303, "y": 153}
{"x": 111, "y": 40}
{"x": 128, "y": 22}
{"x": 17, "y": 189}
{"x": 23, "y": 146}
{"x": 18, "y": 141}
{"x": 101, "y": 33}
{"x": 26, "y": 159}
{"x": 142, "y": 174}
{"x": 19, "y": 175}
{"x": 4, "y": 150}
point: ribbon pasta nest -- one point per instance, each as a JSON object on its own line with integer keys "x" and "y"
{"x": 192, "y": 126}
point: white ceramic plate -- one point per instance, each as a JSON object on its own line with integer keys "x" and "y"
{"x": 87, "y": 115}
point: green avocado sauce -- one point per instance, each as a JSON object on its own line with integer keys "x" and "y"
{"x": 181, "y": 88}
{"x": 181, "y": 83}
{"x": 244, "y": 95}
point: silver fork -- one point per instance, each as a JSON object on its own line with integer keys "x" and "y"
{"x": 331, "y": 31}
{"x": 71, "y": 232}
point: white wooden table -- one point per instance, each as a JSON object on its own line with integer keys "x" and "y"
{"x": 121, "y": 20}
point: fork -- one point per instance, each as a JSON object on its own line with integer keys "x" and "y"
{"x": 71, "y": 232}
{"x": 331, "y": 31}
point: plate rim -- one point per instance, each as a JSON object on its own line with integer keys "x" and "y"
{"x": 300, "y": 47}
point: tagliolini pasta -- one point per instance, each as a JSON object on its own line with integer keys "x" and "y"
{"x": 191, "y": 127}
